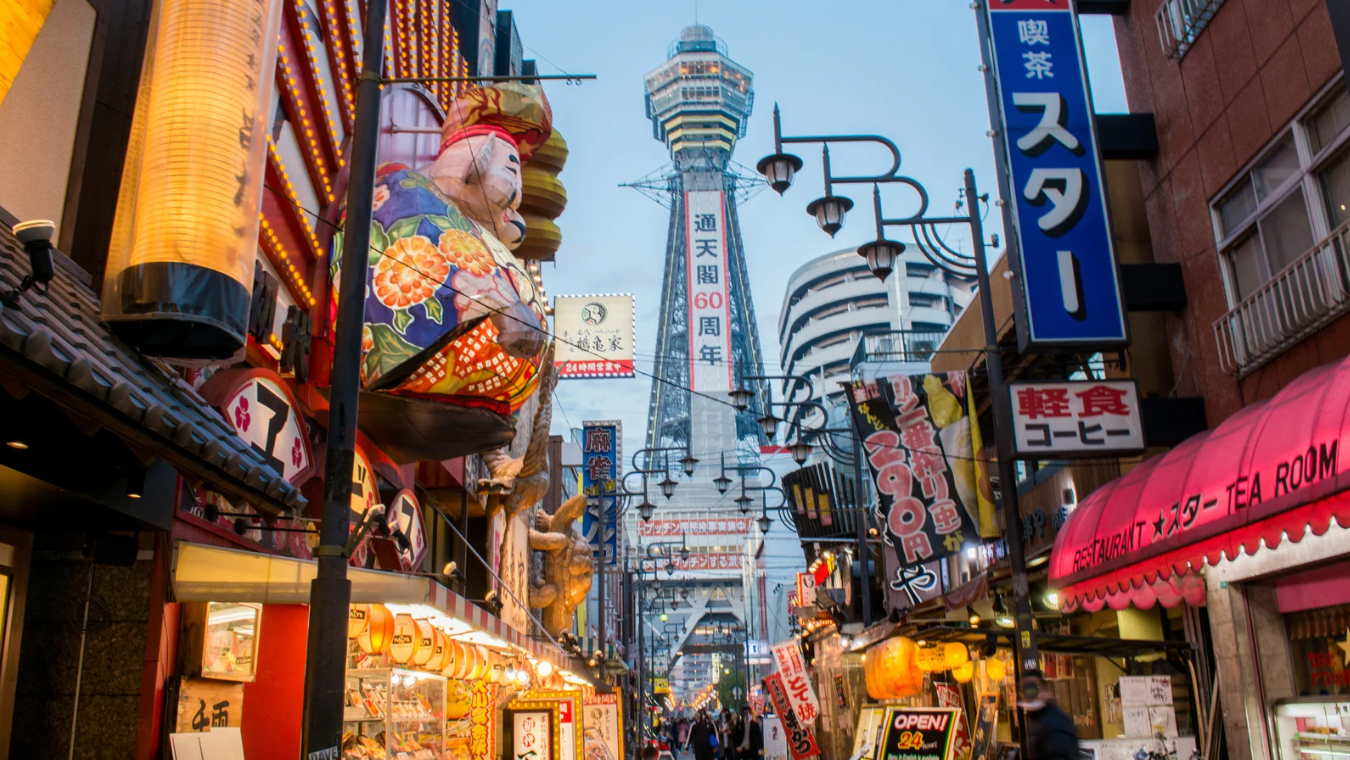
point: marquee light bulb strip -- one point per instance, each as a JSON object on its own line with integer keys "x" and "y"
{"x": 275, "y": 158}
{"x": 302, "y": 14}
{"x": 281, "y": 261}
{"x": 331, "y": 21}
{"x": 429, "y": 46}
{"x": 304, "y": 131}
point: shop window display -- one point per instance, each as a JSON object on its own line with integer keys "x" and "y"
{"x": 1320, "y": 649}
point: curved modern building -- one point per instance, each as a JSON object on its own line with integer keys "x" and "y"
{"x": 833, "y": 300}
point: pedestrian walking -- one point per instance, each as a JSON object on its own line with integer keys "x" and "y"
{"x": 751, "y": 744}
{"x": 1050, "y": 731}
{"x": 702, "y": 737}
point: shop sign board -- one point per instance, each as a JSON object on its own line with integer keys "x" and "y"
{"x": 601, "y": 468}
{"x": 865, "y": 738}
{"x": 801, "y": 740}
{"x": 531, "y": 735}
{"x": 950, "y": 696}
{"x": 594, "y": 336}
{"x": 806, "y": 590}
{"x": 405, "y": 516}
{"x": 1080, "y": 418}
{"x": 916, "y": 434}
{"x": 796, "y": 680}
{"x": 919, "y": 733}
{"x": 698, "y": 563}
{"x": 483, "y": 721}
{"x": 1068, "y": 284}
{"x": 986, "y": 727}
{"x": 910, "y": 585}
{"x": 660, "y": 685}
{"x": 775, "y": 738}
{"x": 205, "y": 703}
{"x": 602, "y": 723}
{"x": 710, "y": 362}
{"x": 262, "y": 411}
{"x": 722, "y": 526}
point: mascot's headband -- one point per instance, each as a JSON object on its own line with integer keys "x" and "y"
{"x": 475, "y": 131}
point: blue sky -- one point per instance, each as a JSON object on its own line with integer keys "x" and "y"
{"x": 900, "y": 68}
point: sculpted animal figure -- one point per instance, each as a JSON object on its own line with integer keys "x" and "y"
{"x": 567, "y": 571}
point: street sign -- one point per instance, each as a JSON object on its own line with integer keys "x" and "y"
{"x": 1080, "y": 418}
{"x": 1068, "y": 286}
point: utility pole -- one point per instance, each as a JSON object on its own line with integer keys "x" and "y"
{"x": 331, "y": 591}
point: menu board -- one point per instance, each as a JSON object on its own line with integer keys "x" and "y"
{"x": 919, "y": 733}
{"x": 1146, "y": 702}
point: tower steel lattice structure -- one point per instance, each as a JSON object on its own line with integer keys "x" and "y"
{"x": 699, "y": 102}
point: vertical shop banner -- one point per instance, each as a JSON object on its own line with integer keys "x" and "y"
{"x": 710, "y": 367}
{"x": 919, "y": 734}
{"x": 1069, "y": 283}
{"x": 602, "y": 721}
{"x": 800, "y": 739}
{"x": 483, "y": 721}
{"x": 595, "y": 336}
{"x": 949, "y": 695}
{"x": 601, "y": 467}
{"x": 917, "y": 438}
{"x": 796, "y": 680}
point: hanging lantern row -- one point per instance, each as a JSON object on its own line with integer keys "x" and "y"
{"x": 895, "y": 668}
{"x": 415, "y": 642}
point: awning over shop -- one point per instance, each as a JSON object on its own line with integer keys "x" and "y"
{"x": 1096, "y": 646}
{"x": 204, "y": 573}
{"x": 1269, "y": 473}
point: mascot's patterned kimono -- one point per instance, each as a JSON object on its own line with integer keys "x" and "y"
{"x": 451, "y": 315}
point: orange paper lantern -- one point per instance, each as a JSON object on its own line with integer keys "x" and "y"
{"x": 404, "y": 643}
{"x": 440, "y": 653}
{"x": 963, "y": 673}
{"x": 357, "y": 620}
{"x": 426, "y": 643}
{"x": 995, "y": 669}
{"x": 892, "y": 669}
{"x": 930, "y": 659}
{"x": 379, "y": 632}
{"x": 955, "y": 654}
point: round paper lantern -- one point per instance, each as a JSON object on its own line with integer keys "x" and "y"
{"x": 379, "y": 633}
{"x": 357, "y": 620}
{"x": 894, "y": 669}
{"x": 471, "y": 665}
{"x": 440, "y": 654}
{"x": 995, "y": 669}
{"x": 462, "y": 661}
{"x": 964, "y": 672}
{"x": 930, "y": 659}
{"x": 954, "y": 654}
{"x": 425, "y": 643}
{"x": 404, "y": 643}
{"x": 486, "y": 659}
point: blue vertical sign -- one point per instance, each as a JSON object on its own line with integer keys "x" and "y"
{"x": 1070, "y": 285}
{"x": 601, "y": 465}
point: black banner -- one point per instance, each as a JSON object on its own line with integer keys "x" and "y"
{"x": 917, "y": 439}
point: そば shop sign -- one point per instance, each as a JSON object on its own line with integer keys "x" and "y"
{"x": 1080, "y": 418}
{"x": 1068, "y": 286}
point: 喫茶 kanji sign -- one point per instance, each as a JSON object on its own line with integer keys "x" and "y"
{"x": 1079, "y": 418}
{"x": 1069, "y": 285}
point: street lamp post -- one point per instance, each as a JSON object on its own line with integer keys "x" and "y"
{"x": 779, "y": 169}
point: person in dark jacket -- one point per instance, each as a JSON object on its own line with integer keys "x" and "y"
{"x": 751, "y": 746}
{"x": 701, "y": 735}
{"x": 1050, "y": 731}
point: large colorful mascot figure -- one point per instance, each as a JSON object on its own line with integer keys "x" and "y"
{"x": 452, "y": 318}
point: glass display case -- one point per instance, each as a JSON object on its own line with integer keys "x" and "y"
{"x": 1313, "y": 728}
{"x": 393, "y": 714}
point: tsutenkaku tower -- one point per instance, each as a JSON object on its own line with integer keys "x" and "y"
{"x": 699, "y": 101}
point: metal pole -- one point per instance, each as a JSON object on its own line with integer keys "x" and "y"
{"x": 864, "y": 550}
{"x": 600, "y": 572}
{"x": 331, "y": 591}
{"x": 1024, "y": 643}
{"x": 462, "y": 549}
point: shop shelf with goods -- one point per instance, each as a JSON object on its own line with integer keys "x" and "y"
{"x": 393, "y": 713}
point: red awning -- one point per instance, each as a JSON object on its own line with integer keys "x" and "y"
{"x": 1270, "y": 472}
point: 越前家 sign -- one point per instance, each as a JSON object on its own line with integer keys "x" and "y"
{"x": 916, "y": 434}
{"x": 1091, "y": 418}
{"x": 801, "y": 740}
{"x": 919, "y": 733}
{"x": 595, "y": 336}
{"x": 1068, "y": 290}
{"x": 601, "y": 468}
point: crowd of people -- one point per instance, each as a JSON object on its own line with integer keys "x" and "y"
{"x": 734, "y": 736}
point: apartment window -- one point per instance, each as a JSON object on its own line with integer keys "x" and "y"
{"x": 1295, "y": 194}
{"x": 1280, "y": 230}
{"x": 926, "y": 301}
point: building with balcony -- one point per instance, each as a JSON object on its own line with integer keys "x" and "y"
{"x": 833, "y": 301}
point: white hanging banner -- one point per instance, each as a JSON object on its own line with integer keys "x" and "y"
{"x": 796, "y": 681}
{"x": 710, "y": 367}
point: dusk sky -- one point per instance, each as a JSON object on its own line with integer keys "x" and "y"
{"x": 900, "y": 68}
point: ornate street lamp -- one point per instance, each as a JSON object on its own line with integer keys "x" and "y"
{"x": 800, "y": 452}
{"x": 765, "y": 522}
{"x": 668, "y": 487}
{"x": 741, "y": 398}
{"x": 881, "y": 255}
{"x": 769, "y": 424}
{"x": 743, "y": 502}
{"x": 722, "y": 482}
{"x": 688, "y": 463}
{"x": 830, "y": 212}
{"x": 779, "y": 168}
{"x": 645, "y": 510}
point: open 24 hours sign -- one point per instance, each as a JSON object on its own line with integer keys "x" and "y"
{"x": 919, "y": 733}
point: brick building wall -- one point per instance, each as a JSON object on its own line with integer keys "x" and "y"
{"x": 1257, "y": 64}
